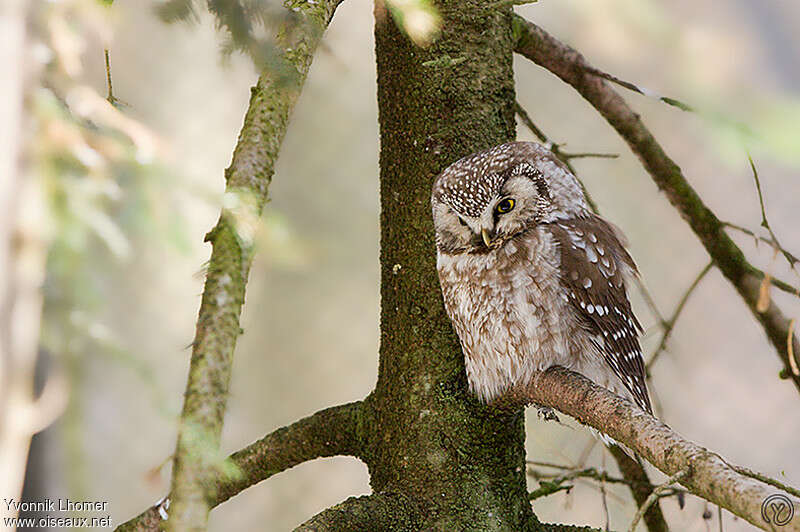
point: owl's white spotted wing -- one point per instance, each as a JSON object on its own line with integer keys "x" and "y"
{"x": 593, "y": 261}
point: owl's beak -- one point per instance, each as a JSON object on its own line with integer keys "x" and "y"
{"x": 487, "y": 237}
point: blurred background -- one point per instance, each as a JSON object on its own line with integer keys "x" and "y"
{"x": 131, "y": 194}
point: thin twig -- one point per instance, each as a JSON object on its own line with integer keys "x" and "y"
{"x": 587, "y": 450}
{"x": 605, "y": 505}
{"x": 657, "y": 491}
{"x": 640, "y": 487}
{"x": 640, "y": 90}
{"x": 669, "y": 325}
{"x": 547, "y": 488}
{"x": 543, "y": 138}
{"x": 791, "y": 259}
{"x": 572, "y": 474}
{"x": 585, "y": 155}
{"x": 110, "y": 96}
{"x": 553, "y": 147}
{"x": 790, "y": 349}
{"x": 651, "y": 303}
{"x": 783, "y": 286}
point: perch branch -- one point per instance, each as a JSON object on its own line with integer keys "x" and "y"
{"x": 708, "y": 475}
{"x": 569, "y": 65}
{"x": 377, "y": 512}
{"x": 329, "y": 432}
{"x": 247, "y": 178}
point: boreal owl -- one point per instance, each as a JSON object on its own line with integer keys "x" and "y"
{"x": 531, "y": 278}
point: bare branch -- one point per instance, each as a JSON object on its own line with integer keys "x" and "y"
{"x": 330, "y": 432}
{"x": 379, "y": 512}
{"x": 555, "y": 148}
{"x": 634, "y": 477}
{"x": 572, "y": 473}
{"x": 109, "y": 86}
{"x": 638, "y": 89}
{"x": 653, "y": 498}
{"x": 792, "y": 259}
{"x": 587, "y": 155}
{"x": 767, "y": 480}
{"x": 764, "y": 223}
{"x": 569, "y": 65}
{"x": 248, "y": 178}
{"x": 548, "y": 487}
{"x": 707, "y": 474}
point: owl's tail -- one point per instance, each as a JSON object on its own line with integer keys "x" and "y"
{"x": 609, "y": 441}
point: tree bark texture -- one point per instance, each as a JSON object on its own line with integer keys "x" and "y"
{"x": 462, "y": 463}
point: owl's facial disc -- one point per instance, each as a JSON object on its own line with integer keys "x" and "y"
{"x": 514, "y": 206}
{"x": 517, "y": 206}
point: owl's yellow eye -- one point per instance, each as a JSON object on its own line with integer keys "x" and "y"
{"x": 507, "y": 205}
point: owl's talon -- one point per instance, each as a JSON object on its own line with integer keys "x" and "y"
{"x": 548, "y": 414}
{"x": 163, "y": 506}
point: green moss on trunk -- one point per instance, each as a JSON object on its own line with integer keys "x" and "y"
{"x": 430, "y": 440}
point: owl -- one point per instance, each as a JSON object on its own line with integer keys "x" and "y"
{"x": 530, "y": 277}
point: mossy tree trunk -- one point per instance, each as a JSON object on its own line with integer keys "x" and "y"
{"x": 461, "y": 465}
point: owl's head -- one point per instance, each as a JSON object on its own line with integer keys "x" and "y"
{"x": 484, "y": 199}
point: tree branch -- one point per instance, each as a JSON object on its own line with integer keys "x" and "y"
{"x": 641, "y": 489}
{"x": 652, "y": 499}
{"x": 330, "y": 432}
{"x": 569, "y": 65}
{"x": 708, "y": 475}
{"x": 775, "y": 246}
{"x": 554, "y": 147}
{"x": 791, "y": 259}
{"x": 377, "y": 512}
{"x": 218, "y": 328}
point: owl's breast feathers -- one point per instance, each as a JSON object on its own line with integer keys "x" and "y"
{"x": 554, "y": 295}
{"x": 505, "y": 308}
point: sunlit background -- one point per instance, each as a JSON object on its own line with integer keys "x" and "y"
{"x": 131, "y": 200}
